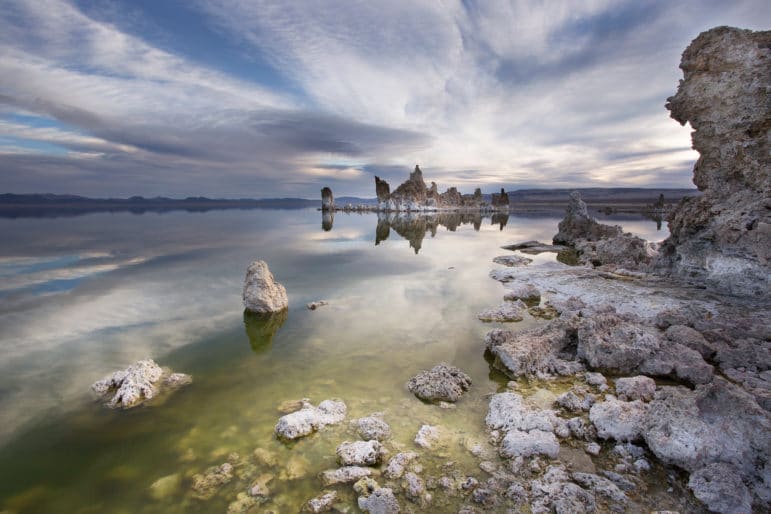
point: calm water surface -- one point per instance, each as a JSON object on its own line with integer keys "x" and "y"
{"x": 83, "y": 296}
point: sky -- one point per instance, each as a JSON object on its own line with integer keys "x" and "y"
{"x": 258, "y": 99}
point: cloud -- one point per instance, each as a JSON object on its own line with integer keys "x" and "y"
{"x": 479, "y": 93}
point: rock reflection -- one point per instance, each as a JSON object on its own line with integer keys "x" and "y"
{"x": 414, "y": 226}
{"x": 500, "y": 219}
{"x": 260, "y": 328}
{"x": 327, "y": 220}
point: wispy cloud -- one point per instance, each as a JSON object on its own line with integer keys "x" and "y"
{"x": 493, "y": 93}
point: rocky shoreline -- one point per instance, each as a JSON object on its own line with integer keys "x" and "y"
{"x": 643, "y": 366}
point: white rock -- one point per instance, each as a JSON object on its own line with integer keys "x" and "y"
{"x": 344, "y": 475}
{"x": 137, "y": 383}
{"x": 427, "y": 436}
{"x": 622, "y": 421}
{"x": 310, "y": 419}
{"x": 398, "y": 464}
{"x": 636, "y": 388}
{"x": 517, "y": 443}
{"x": 262, "y": 294}
{"x": 360, "y": 453}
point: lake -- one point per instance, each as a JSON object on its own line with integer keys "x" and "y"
{"x": 83, "y": 296}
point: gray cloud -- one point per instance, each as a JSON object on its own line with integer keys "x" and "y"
{"x": 488, "y": 93}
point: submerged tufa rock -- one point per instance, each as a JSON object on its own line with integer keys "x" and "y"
{"x": 310, "y": 419}
{"x": 138, "y": 383}
{"x": 441, "y": 383}
{"x": 262, "y": 294}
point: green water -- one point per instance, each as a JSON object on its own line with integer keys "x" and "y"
{"x": 168, "y": 287}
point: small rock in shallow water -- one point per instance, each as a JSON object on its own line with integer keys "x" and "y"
{"x": 512, "y": 260}
{"x": 138, "y": 383}
{"x": 360, "y": 453}
{"x": 398, "y": 463}
{"x": 373, "y": 427}
{"x": 505, "y": 312}
{"x": 441, "y": 383}
{"x": 344, "y": 475}
{"x": 527, "y": 293}
{"x": 242, "y": 504}
{"x": 321, "y": 503}
{"x": 206, "y": 484}
{"x": 262, "y": 294}
{"x": 427, "y": 436}
{"x": 414, "y": 487}
{"x": 310, "y": 419}
{"x": 380, "y": 501}
{"x": 165, "y": 487}
{"x": 315, "y": 305}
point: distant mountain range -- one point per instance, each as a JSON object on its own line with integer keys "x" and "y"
{"x": 53, "y": 205}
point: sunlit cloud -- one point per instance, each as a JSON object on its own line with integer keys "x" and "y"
{"x": 280, "y": 99}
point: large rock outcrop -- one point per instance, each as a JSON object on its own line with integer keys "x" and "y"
{"x": 414, "y": 195}
{"x": 262, "y": 294}
{"x": 599, "y": 244}
{"x": 723, "y": 238}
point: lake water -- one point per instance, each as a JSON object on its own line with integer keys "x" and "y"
{"x": 83, "y": 296}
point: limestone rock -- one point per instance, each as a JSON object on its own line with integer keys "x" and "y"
{"x": 715, "y": 423}
{"x": 414, "y": 486}
{"x": 380, "y": 501}
{"x": 373, "y": 427}
{"x": 622, "y": 421}
{"x": 262, "y": 293}
{"x": 609, "y": 342}
{"x": 398, "y": 464}
{"x": 427, "y": 436}
{"x": 344, "y": 475}
{"x": 723, "y": 238}
{"x": 528, "y": 293}
{"x": 138, "y": 383}
{"x": 675, "y": 360}
{"x": 535, "y": 352}
{"x": 382, "y": 190}
{"x": 508, "y": 311}
{"x": 360, "y": 453}
{"x": 687, "y": 428}
{"x": 310, "y": 419}
{"x": 577, "y": 224}
{"x": 720, "y": 488}
{"x": 635, "y": 388}
{"x": 517, "y": 443}
{"x": 206, "y": 484}
{"x": 512, "y": 260}
{"x": 441, "y": 383}
{"x": 692, "y": 339}
{"x": 322, "y": 502}
{"x": 507, "y": 411}
{"x": 327, "y": 200}
{"x": 500, "y": 200}
{"x": 601, "y": 486}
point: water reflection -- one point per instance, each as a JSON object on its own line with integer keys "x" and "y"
{"x": 260, "y": 328}
{"x": 414, "y": 226}
{"x": 327, "y": 220}
{"x": 500, "y": 219}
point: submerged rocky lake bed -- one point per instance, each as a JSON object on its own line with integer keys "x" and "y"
{"x": 87, "y": 295}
